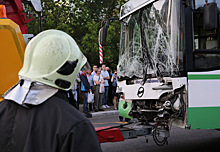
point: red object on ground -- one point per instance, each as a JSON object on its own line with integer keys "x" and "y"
{"x": 14, "y": 10}
{"x": 110, "y": 135}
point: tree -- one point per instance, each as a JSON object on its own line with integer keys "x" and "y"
{"x": 81, "y": 19}
{"x": 55, "y": 15}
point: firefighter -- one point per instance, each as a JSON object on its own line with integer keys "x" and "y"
{"x": 34, "y": 115}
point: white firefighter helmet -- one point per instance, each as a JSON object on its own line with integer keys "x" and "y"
{"x": 53, "y": 58}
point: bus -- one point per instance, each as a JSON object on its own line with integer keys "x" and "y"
{"x": 169, "y": 64}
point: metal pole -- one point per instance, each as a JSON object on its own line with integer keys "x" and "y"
{"x": 40, "y": 23}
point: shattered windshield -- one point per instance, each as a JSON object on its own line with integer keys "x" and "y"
{"x": 151, "y": 41}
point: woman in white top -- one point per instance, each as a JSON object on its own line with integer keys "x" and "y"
{"x": 98, "y": 79}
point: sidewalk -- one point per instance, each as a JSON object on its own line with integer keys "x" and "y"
{"x": 108, "y": 111}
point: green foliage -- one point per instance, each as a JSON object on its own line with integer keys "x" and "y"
{"x": 82, "y": 20}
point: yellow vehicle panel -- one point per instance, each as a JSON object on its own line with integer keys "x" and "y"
{"x": 12, "y": 48}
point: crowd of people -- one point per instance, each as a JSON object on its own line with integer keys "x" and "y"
{"x": 102, "y": 83}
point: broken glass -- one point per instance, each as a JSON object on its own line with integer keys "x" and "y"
{"x": 150, "y": 41}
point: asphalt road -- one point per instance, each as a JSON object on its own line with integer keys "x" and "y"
{"x": 180, "y": 140}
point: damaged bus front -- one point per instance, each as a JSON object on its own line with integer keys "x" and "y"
{"x": 151, "y": 62}
{"x": 169, "y": 64}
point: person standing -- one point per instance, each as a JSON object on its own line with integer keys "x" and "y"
{"x": 114, "y": 87}
{"x": 72, "y": 94}
{"x": 98, "y": 79}
{"x": 78, "y": 92}
{"x": 94, "y": 69}
{"x": 94, "y": 73}
{"x": 110, "y": 95}
{"x": 105, "y": 76}
{"x": 85, "y": 88}
{"x": 91, "y": 83}
{"x": 34, "y": 115}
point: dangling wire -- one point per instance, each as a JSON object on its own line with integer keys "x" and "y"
{"x": 156, "y": 140}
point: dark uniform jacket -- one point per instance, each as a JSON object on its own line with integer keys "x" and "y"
{"x": 53, "y": 126}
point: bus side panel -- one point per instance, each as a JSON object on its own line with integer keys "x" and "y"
{"x": 204, "y": 100}
{"x": 204, "y": 117}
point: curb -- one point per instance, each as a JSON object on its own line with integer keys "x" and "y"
{"x": 104, "y": 113}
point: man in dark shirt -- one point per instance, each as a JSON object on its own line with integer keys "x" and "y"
{"x": 34, "y": 115}
{"x": 85, "y": 88}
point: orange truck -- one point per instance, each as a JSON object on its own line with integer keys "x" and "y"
{"x": 12, "y": 41}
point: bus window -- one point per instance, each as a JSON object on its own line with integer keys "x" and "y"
{"x": 204, "y": 39}
{"x": 206, "y": 42}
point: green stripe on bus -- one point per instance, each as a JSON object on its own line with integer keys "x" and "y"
{"x": 203, "y": 76}
{"x": 204, "y": 117}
